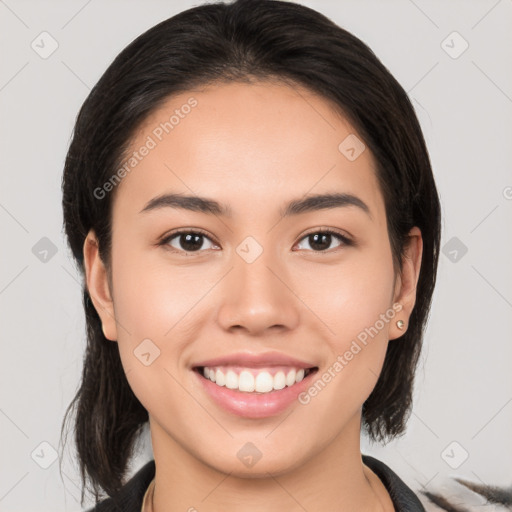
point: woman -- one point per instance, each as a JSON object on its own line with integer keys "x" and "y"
{"x": 250, "y": 200}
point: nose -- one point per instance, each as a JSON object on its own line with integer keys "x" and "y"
{"x": 258, "y": 296}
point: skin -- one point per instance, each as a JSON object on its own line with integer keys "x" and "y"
{"x": 253, "y": 147}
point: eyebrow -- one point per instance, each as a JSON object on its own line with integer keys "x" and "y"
{"x": 295, "y": 207}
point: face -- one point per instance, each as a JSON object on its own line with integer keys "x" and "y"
{"x": 243, "y": 279}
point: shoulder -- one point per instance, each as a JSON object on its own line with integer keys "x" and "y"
{"x": 404, "y": 499}
{"x": 129, "y": 498}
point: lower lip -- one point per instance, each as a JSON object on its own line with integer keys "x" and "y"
{"x": 254, "y": 405}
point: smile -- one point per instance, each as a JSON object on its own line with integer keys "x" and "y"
{"x": 253, "y": 393}
{"x": 250, "y": 380}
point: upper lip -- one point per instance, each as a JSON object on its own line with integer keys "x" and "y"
{"x": 256, "y": 360}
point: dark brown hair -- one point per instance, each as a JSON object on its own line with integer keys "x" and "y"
{"x": 243, "y": 41}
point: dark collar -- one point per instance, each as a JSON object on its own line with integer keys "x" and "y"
{"x": 129, "y": 498}
{"x": 403, "y": 498}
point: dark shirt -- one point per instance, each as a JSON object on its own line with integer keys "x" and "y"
{"x": 129, "y": 498}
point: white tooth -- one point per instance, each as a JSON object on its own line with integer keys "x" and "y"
{"x": 264, "y": 382}
{"x": 246, "y": 381}
{"x": 220, "y": 378}
{"x": 231, "y": 380}
{"x": 290, "y": 378}
{"x": 279, "y": 380}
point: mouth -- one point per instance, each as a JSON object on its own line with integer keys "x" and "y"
{"x": 255, "y": 381}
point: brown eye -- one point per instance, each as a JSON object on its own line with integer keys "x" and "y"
{"x": 187, "y": 241}
{"x": 319, "y": 241}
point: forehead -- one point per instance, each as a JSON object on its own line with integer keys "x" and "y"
{"x": 263, "y": 141}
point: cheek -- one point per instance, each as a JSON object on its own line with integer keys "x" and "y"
{"x": 155, "y": 319}
{"x": 351, "y": 296}
{"x": 356, "y": 305}
{"x": 151, "y": 296}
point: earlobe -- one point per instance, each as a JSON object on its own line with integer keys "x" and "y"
{"x": 407, "y": 282}
{"x": 98, "y": 286}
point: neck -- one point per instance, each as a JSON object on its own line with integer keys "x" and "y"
{"x": 335, "y": 476}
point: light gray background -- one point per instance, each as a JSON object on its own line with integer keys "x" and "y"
{"x": 464, "y": 388}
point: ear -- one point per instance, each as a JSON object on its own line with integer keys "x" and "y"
{"x": 407, "y": 281}
{"x": 98, "y": 286}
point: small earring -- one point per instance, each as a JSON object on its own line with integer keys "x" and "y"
{"x": 400, "y": 324}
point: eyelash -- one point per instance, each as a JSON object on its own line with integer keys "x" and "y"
{"x": 165, "y": 241}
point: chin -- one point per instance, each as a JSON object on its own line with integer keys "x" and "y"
{"x": 260, "y": 468}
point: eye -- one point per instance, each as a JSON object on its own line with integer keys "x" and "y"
{"x": 321, "y": 240}
{"x": 187, "y": 241}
